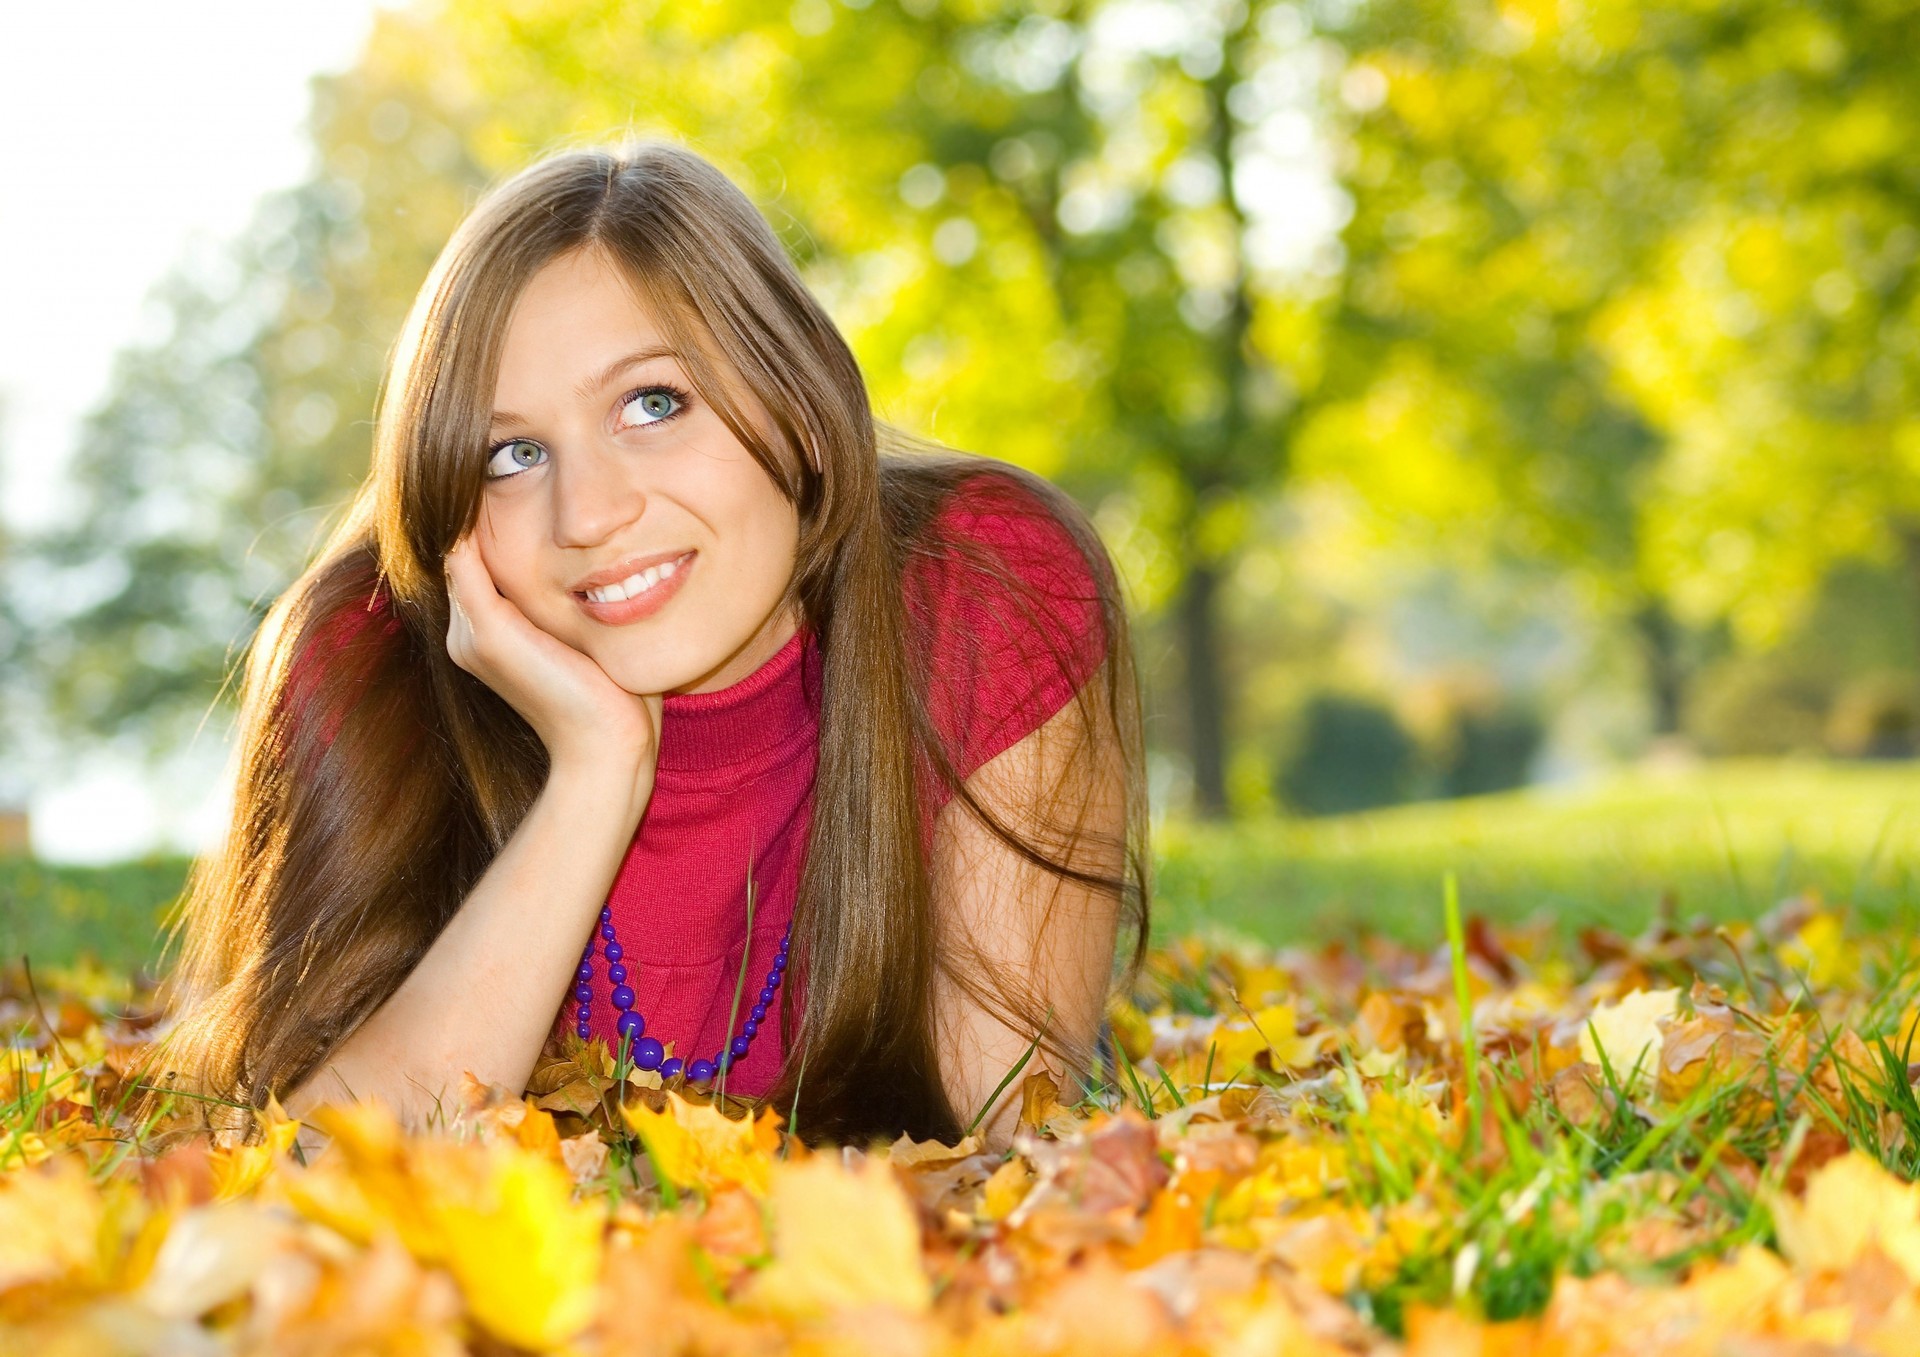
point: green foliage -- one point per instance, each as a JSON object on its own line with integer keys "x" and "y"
{"x": 1016, "y": 216}
{"x": 1353, "y": 754}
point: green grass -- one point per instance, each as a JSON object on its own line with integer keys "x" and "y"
{"x": 53, "y": 914}
{"x": 1728, "y": 841}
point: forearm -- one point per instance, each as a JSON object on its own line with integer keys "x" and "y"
{"x": 483, "y": 998}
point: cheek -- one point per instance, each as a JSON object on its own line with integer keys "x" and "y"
{"x": 510, "y": 555}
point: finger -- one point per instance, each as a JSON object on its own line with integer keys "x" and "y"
{"x": 463, "y": 588}
{"x": 469, "y": 584}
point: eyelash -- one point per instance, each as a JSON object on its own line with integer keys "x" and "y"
{"x": 680, "y": 398}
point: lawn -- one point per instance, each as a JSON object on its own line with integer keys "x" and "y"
{"x": 1726, "y": 842}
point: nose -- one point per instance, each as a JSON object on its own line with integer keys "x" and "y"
{"x": 594, "y": 497}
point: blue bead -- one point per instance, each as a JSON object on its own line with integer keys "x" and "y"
{"x": 752, "y": 1029}
{"x": 585, "y": 1029}
{"x": 739, "y": 1045}
{"x": 779, "y": 963}
{"x": 670, "y": 1068}
{"x": 584, "y": 993}
{"x": 615, "y": 952}
{"x": 648, "y": 1052}
{"x": 606, "y": 912}
{"x": 723, "y": 1062}
{"x": 773, "y": 980}
{"x": 623, "y": 996}
{"x": 766, "y": 997}
{"x": 617, "y": 974}
{"x": 759, "y": 1013}
{"x": 606, "y": 931}
{"x": 700, "y": 1071}
{"x": 585, "y": 972}
{"x": 631, "y": 1025}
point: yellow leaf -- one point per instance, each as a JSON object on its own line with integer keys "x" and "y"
{"x": 1821, "y": 950}
{"x": 526, "y": 1255}
{"x": 1271, "y": 1030}
{"x": 841, "y": 1238}
{"x": 240, "y": 1169}
{"x": 50, "y": 1217}
{"x": 370, "y": 1179}
{"x": 1849, "y": 1203}
{"x": 694, "y": 1145}
{"x": 1006, "y": 1189}
{"x": 1629, "y": 1032}
{"x": 213, "y": 1254}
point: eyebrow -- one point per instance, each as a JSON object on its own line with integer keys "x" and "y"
{"x": 586, "y": 389}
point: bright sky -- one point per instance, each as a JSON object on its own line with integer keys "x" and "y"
{"x": 131, "y": 129}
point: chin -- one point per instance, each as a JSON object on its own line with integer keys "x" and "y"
{"x": 654, "y": 672}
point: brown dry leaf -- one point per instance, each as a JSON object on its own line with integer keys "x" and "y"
{"x": 1039, "y": 1100}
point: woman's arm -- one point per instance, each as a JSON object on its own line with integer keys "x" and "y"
{"x": 484, "y": 996}
{"x": 1072, "y": 800}
{"x": 483, "y": 999}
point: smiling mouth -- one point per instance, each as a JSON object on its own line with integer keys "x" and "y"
{"x": 636, "y": 584}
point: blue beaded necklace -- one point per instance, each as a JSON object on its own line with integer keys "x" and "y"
{"x": 647, "y": 1052}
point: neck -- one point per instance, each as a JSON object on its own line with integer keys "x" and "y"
{"x": 766, "y": 642}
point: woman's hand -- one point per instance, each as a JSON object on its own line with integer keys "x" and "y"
{"x": 580, "y": 714}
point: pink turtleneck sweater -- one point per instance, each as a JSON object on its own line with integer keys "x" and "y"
{"x": 734, "y": 779}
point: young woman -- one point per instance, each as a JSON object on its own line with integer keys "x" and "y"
{"x": 634, "y": 632}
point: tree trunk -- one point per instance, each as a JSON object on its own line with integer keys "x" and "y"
{"x": 1907, "y": 531}
{"x": 1206, "y": 715}
{"x": 1666, "y": 672}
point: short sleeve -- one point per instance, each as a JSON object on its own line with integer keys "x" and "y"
{"x": 1002, "y": 660}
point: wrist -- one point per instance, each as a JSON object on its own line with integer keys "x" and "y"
{"x": 601, "y": 783}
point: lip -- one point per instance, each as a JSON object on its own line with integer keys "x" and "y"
{"x": 641, "y": 605}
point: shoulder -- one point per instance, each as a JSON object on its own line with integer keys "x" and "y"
{"x": 1006, "y": 592}
{"x": 1001, "y": 536}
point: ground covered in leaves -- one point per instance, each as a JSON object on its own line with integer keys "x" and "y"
{"x": 1698, "y": 1140}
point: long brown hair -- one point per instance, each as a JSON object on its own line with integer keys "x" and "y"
{"x": 354, "y": 839}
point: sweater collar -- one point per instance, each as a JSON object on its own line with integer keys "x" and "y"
{"x": 744, "y": 722}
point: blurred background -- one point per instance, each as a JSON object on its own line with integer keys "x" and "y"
{"x": 1503, "y": 414}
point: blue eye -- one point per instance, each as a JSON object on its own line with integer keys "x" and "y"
{"x": 662, "y": 403}
{"x": 518, "y": 452}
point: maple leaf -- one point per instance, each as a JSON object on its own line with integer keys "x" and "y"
{"x": 842, "y": 1238}
{"x": 695, "y": 1145}
{"x": 211, "y": 1255}
{"x": 526, "y": 1255}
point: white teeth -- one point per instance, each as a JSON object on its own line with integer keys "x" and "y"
{"x": 633, "y": 584}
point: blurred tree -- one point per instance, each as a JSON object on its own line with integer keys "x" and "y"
{"x": 1776, "y": 340}
{"x": 227, "y": 438}
{"x": 1033, "y": 223}
{"x": 1512, "y": 167}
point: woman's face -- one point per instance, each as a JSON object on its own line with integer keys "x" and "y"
{"x": 605, "y": 461}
